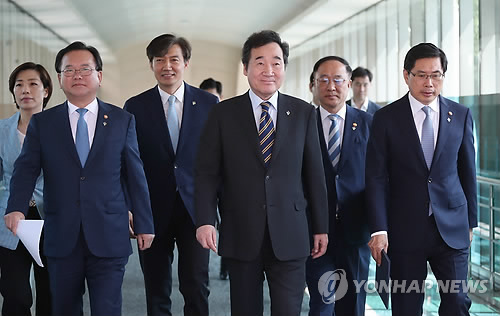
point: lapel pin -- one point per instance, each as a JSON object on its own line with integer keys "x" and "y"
{"x": 354, "y": 125}
{"x": 104, "y": 123}
{"x": 449, "y": 120}
{"x": 194, "y": 102}
{"x": 106, "y": 116}
{"x": 450, "y": 113}
{"x": 287, "y": 112}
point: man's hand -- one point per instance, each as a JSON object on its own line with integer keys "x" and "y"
{"x": 320, "y": 245}
{"x": 144, "y": 241}
{"x": 207, "y": 237}
{"x": 12, "y": 219}
{"x": 376, "y": 244}
{"x": 131, "y": 225}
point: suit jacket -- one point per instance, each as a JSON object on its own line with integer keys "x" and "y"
{"x": 91, "y": 199}
{"x": 10, "y": 147}
{"x": 254, "y": 196}
{"x": 372, "y": 106}
{"x": 346, "y": 186}
{"x": 165, "y": 170}
{"x": 395, "y": 164}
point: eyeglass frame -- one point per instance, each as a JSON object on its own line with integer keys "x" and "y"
{"x": 338, "y": 82}
{"x": 70, "y": 72}
{"x": 423, "y": 76}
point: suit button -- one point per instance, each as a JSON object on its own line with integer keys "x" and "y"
{"x": 430, "y": 180}
{"x": 175, "y": 166}
{"x": 337, "y": 177}
{"x": 82, "y": 178}
{"x": 268, "y": 177}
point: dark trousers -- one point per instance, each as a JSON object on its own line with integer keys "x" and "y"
{"x": 355, "y": 261}
{"x": 104, "y": 278}
{"x": 286, "y": 281}
{"x": 446, "y": 263}
{"x": 156, "y": 264}
{"x": 15, "y": 269}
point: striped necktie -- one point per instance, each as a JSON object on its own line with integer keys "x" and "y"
{"x": 266, "y": 133}
{"x": 334, "y": 141}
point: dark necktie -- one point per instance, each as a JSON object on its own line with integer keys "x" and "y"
{"x": 266, "y": 133}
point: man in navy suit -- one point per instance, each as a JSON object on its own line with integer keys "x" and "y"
{"x": 170, "y": 117}
{"x": 88, "y": 153}
{"x": 361, "y": 83}
{"x": 343, "y": 135}
{"x": 421, "y": 186}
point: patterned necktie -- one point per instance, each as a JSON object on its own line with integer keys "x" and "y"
{"x": 173, "y": 122}
{"x": 427, "y": 140}
{"x": 266, "y": 133}
{"x": 82, "y": 137}
{"x": 334, "y": 141}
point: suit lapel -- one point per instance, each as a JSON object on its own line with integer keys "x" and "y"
{"x": 188, "y": 113}
{"x": 283, "y": 118}
{"x": 100, "y": 130}
{"x": 351, "y": 117}
{"x": 324, "y": 149}
{"x": 408, "y": 123}
{"x": 158, "y": 119}
{"x": 443, "y": 131}
{"x": 65, "y": 131}
{"x": 245, "y": 116}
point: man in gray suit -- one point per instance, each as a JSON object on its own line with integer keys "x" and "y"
{"x": 259, "y": 157}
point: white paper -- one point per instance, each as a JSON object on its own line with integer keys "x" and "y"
{"x": 29, "y": 232}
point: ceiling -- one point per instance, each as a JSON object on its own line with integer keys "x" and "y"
{"x": 112, "y": 25}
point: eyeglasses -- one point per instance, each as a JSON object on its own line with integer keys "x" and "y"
{"x": 325, "y": 81}
{"x": 435, "y": 76}
{"x": 86, "y": 71}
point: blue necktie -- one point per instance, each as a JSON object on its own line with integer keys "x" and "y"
{"x": 173, "y": 122}
{"x": 427, "y": 140}
{"x": 266, "y": 133}
{"x": 82, "y": 137}
{"x": 334, "y": 141}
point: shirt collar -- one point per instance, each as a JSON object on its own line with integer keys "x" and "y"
{"x": 256, "y": 100}
{"x": 417, "y": 106}
{"x": 179, "y": 94}
{"x": 92, "y": 107}
{"x": 324, "y": 113}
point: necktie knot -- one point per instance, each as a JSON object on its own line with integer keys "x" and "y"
{"x": 265, "y": 106}
{"x": 426, "y": 109}
{"x": 82, "y": 111}
{"x": 171, "y": 100}
{"x": 333, "y": 117}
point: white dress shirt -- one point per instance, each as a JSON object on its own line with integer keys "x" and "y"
{"x": 364, "y": 106}
{"x": 90, "y": 118}
{"x": 327, "y": 123}
{"x": 179, "y": 101}
{"x": 257, "y": 109}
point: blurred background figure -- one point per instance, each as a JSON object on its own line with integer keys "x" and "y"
{"x": 31, "y": 87}
{"x": 361, "y": 83}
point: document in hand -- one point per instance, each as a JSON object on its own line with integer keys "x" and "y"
{"x": 382, "y": 277}
{"x": 29, "y": 232}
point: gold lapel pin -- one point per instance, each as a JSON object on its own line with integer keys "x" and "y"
{"x": 354, "y": 125}
{"x": 450, "y": 113}
{"x": 104, "y": 123}
{"x": 105, "y": 116}
{"x": 287, "y": 112}
{"x": 194, "y": 102}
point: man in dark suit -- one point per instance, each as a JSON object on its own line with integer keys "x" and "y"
{"x": 169, "y": 119}
{"x": 421, "y": 186}
{"x": 262, "y": 150}
{"x": 343, "y": 135}
{"x": 87, "y": 151}
{"x": 361, "y": 83}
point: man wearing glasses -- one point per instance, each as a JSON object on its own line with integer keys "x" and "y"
{"x": 93, "y": 175}
{"x": 343, "y": 135}
{"x": 421, "y": 187}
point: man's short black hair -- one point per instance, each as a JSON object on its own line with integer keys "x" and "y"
{"x": 328, "y": 58}
{"x": 160, "y": 45}
{"x": 424, "y": 50}
{"x": 361, "y": 72}
{"x": 44, "y": 78}
{"x": 211, "y": 83}
{"x": 311, "y": 77}
{"x": 260, "y": 39}
{"x": 78, "y": 46}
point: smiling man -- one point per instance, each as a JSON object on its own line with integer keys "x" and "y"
{"x": 262, "y": 150}
{"x": 421, "y": 186}
{"x": 169, "y": 118}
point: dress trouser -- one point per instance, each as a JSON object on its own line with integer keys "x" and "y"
{"x": 15, "y": 287}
